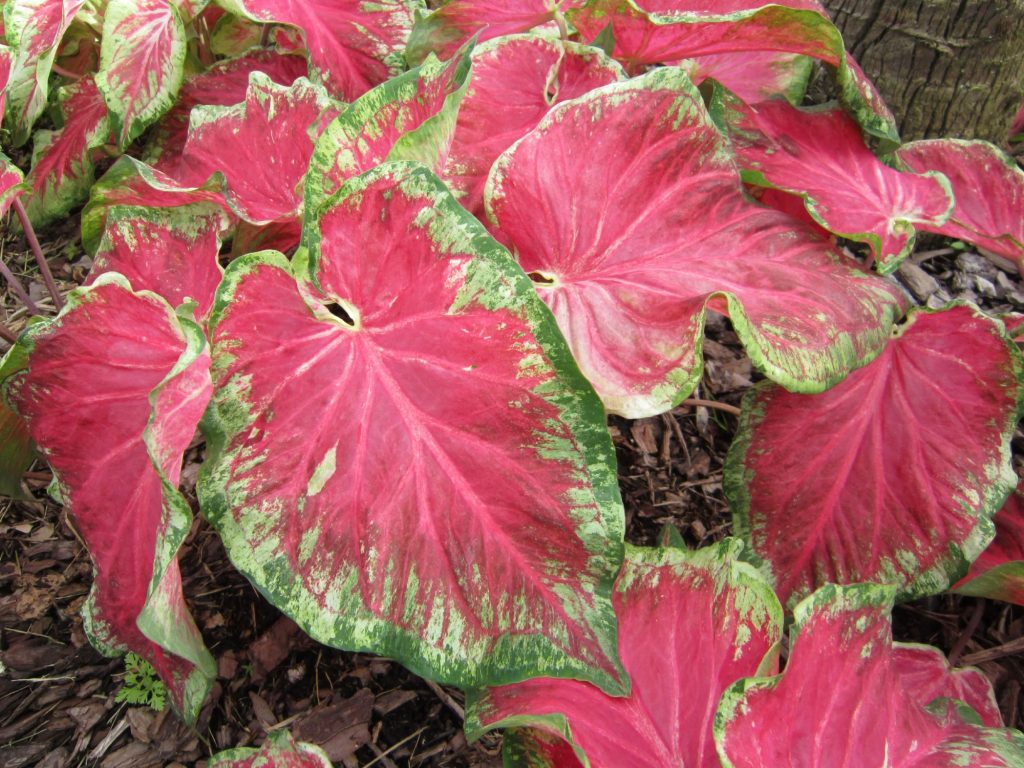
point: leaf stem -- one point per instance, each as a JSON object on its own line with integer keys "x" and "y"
{"x": 37, "y": 251}
{"x": 65, "y": 72}
{"x": 18, "y": 289}
{"x": 694, "y": 401}
{"x": 7, "y": 334}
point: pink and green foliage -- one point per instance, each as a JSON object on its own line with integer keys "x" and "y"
{"x": 169, "y": 251}
{"x": 279, "y": 751}
{"x": 713, "y": 620}
{"x": 756, "y": 76}
{"x": 536, "y": 748}
{"x": 867, "y": 715}
{"x": 63, "y": 167}
{"x": 988, "y": 187}
{"x": 11, "y": 183}
{"x": 926, "y": 675}
{"x": 516, "y": 80}
{"x": 820, "y": 155}
{"x": 475, "y": 544}
{"x": 999, "y": 571}
{"x": 142, "y": 62}
{"x": 352, "y": 45}
{"x": 137, "y": 396}
{"x": 862, "y": 482}
{"x": 16, "y": 452}
{"x": 632, "y": 241}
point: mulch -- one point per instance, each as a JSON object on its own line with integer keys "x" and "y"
{"x": 58, "y": 696}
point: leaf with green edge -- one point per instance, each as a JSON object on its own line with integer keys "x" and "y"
{"x": 12, "y": 183}
{"x": 170, "y": 251}
{"x": 536, "y": 748}
{"x": 33, "y": 29}
{"x": 516, "y": 80}
{"x": 926, "y": 675}
{"x": 272, "y": 135}
{"x": 819, "y": 154}
{"x": 756, "y": 76}
{"x": 132, "y": 182}
{"x": 691, "y": 623}
{"x": 410, "y": 117}
{"x": 862, "y": 482}
{"x": 665, "y": 31}
{"x": 62, "y": 161}
{"x": 279, "y": 751}
{"x": 6, "y": 62}
{"x": 16, "y": 452}
{"x": 998, "y": 573}
{"x": 445, "y": 29}
{"x": 234, "y": 36}
{"x": 136, "y": 377}
{"x": 142, "y": 63}
{"x": 78, "y": 54}
{"x": 352, "y": 45}
{"x": 454, "y": 505}
{"x": 632, "y": 241}
{"x": 842, "y": 700}
{"x": 223, "y": 84}
{"x": 988, "y": 187}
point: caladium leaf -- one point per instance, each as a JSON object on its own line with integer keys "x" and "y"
{"x": 279, "y": 751}
{"x": 234, "y": 36}
{"x": 842, "y": 700}
{"x": 33, "y": 28}
{"x": 62, "y": 161}
{"x": 756, "y": 76}
{"x": 169, "y": 251}
{"x": 631, "y": 241}
{"x": 136, "y": 376}
{"x": 476, "y": 544}
{"x": 988, "y": 187}
{"x": 690, "y": 625}
{"x": 352, "y": 46}
{"x": 861, "y": 483}
{"x": 444, "y": 30}
{"x": 536, "y": 748}
{"x": 410, "y": 117}
{"x": 925, "y": 674}
{"x": 131, "y": 182}
{"x": 11, "y": 183}
{"x": 820, "y": 155}
{"x": 16, "y": 452}
{"x": 223, "y": 84}
{"x": 272, "y": 134}
{"x": 516, "y": 80}
{"x": 142, "y": 63}
{"x": 6, "y": 61}
{"x": 665, "y": 31}
{"x": 999, "y": 571}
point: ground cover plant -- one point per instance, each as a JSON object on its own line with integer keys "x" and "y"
{"x": 397, "y": 265}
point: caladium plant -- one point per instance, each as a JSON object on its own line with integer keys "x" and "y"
{"x": 492, "y": 224}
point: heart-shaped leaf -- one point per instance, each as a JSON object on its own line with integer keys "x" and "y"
{"x": 999, "y": 571}
{"x": 142, "y": 63}
{"x": 352, "y": 45}
{"x": 820, "y": 155}
{"x": 516, "y": 81}
{"x": 926, "y": 676}
{"x": 454, "y": 503}
{"x": 756, "y": 76}
{"x": 136, "y": 378}
{"x": 862, "y": 483}
{"x": 279, "y": 751}
{"x": 988, "y": 187}
{"x": 690, "y": 625}
{"x": 842, "y": 700}
{"x": 632, "y": 240}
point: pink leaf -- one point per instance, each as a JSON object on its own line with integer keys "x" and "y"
{"x": 170, "y": 251}
{"x": 279, "y": 751}
{"x": 926, "y": 675}
{"x": 6, "y": 61}
{"x": 11, "y": 183}
{"x": 988, "y": 188}
{"x": 756, "y": 76}
{"x": 223, "y": 84}
{"x": 449, "y": 505}
{"x": 135, "y": 379}
{"x": 842, "y": 700}
{"x": 690, "y": 625}
{"x": 631, "y": 241}
{"x": 537, "y": 748}
{"x": 999, "y": 571}
{"x": 516, "y": 80}
{"x": 62, "y": 163}
{"x": 445, "y": 29}
{"x": 821, "y": 155}
{"x": 656, "y": 31}
{"x": 16, "y": 452}
{"x": 862, "y": 483}
{"x": 142, "y": 63}
{"x": 272, "y": 134}
{"x": 351, "y": 44}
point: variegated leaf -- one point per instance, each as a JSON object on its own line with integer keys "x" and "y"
{"x": 862, "y": 483}
{"x": 11, "y": 183}
{"x": 998, "y": 572}
{"x": 279, "y": 751}
{"x": 454, "y": 502}
{"x": 925, "y": 674}
{"x": 16, "y": 451}
{"x": 756, "y": 76}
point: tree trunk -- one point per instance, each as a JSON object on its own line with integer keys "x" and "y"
{"x": 947, "y": 68}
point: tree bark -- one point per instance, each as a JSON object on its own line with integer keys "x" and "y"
{"x": 947, "y": 68}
